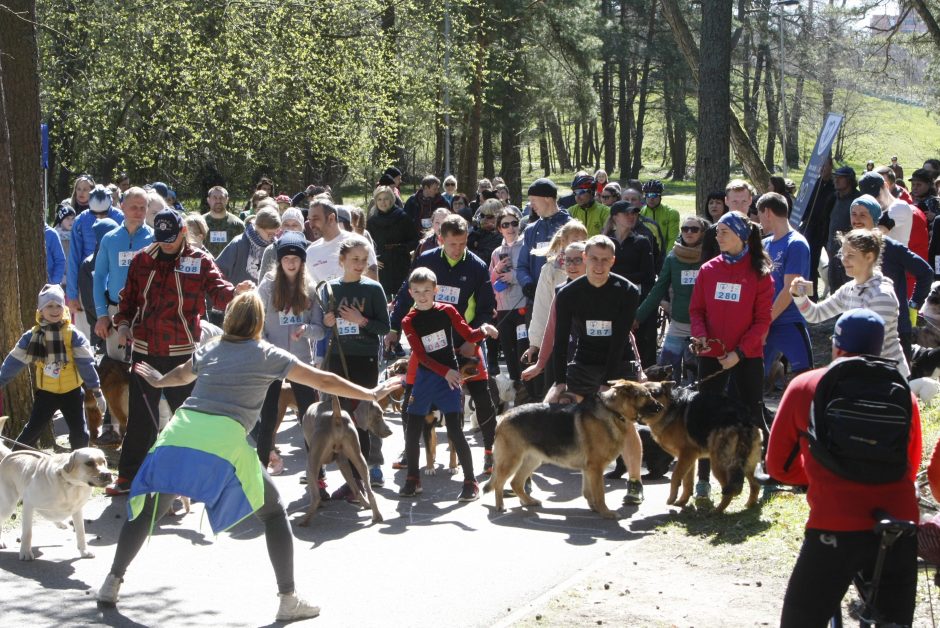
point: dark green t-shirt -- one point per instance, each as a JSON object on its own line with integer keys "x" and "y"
{"x": 368, "y": 297}
{"x": 221, "y": 232}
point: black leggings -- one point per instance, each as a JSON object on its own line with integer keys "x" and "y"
{"x": 71, "y": 404}
{"x": 454, "y": 423}
{"x": 747, "y": 385}
{"x": 486, "y": 412}
{"x": 363, "y": 370}
{"x": 277, "y": 534}
{"x": 824, "y": 570}
{"x": 513, "y": 347}
{"x": 264, "y": 431}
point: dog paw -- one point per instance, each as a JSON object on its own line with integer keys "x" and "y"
{"x": 682, "y": 502}
{"x": 452, "y": 470}
{"x": 429, "y": 470}
{"x": 531, "y": 503}
{"x": 60, "y": 524}
{"x": 377, "y": 519}
{"x": 303, "y": 523}
{"x": 87, "y": 553}
{"x": 26, "y": 554}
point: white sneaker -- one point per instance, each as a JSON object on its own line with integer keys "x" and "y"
{"x": 293, "y": 608}
{"x": 108, "y": 593}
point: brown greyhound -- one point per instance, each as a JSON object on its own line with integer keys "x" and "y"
{"x": 330, "y": 434}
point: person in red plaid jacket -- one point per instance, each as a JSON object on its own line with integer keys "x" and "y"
{"x": 160, "y": 310}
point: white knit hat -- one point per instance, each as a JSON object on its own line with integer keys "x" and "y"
{"x": 51, "y": 293}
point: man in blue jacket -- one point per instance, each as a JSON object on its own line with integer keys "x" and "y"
{"x": 84, "y": 243}
{"x": 463, "y": 280}
{"x": 543, "y": 195}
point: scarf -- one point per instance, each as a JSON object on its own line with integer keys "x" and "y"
{"x": 687, "y": 254}
{"x": 737, "y": 257}
{"x": 255, "y": 251}
{"x": 47, "y": 344}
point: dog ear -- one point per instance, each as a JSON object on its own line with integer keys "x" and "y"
{"x": 667, "y": 386}
{"x": 70, "y": 464}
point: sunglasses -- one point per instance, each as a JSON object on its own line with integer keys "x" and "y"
{"x": 574, "y": 261}
{"x": 507, "y": 225}
{"x": 450, "y": 185}
{"x": 653, "y": 195}
{"x": 581, "y": 191}
{"x": 691, "y": 229}
{"x": 608, "y": 196}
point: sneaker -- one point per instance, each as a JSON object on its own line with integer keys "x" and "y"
{"x": 634, "y": 494}
{"x": 346, "y": 492}
{"x": 108, "y": 593}
{"x": 470, "y": 491}
{"x": 769, "y": 490}
{"x": 120, "y": 487}
{"x": 399, "y": 350}
{"x": 376, "y": 479}
{"x": 703, "y": 490}
{"x": 324, "y": 494}
{"x": 109, "y": 439}
{"x": 411, "y": 488}
{"x": 275, "y": 464}
{"x": 488, "y": 463}
{"x": 401, "y": 463}
{"x": 292, "y": 607}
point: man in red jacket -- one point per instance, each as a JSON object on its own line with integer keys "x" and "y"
{"x": 159, "y": 313}
{"x": 839, "y": 541}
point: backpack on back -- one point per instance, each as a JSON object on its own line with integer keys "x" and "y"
{"x": 860, "y": 420}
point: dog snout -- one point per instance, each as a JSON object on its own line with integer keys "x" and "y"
{"x": 104, "y": 478}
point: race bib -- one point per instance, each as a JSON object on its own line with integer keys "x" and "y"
{"x": 52, "y": 370}
{"x": 937, "y": 264}
{"x": 218, "y": 237}
{"x": 345, "y": 328}
{"x": 728, "y": 292}
{"x": 541, "y": 245}
{"x": 521, "y": 332}
{"x": 425, "y": 223}
{"x": 190, "y": 265}
{"x": 600, "y": 328}
{"x": 688, "y": 277}
{"x": 447, "y": 294}
{"x": 125, "y": 257}
{"x": 435, "y": 341}
{"x": 289, "y": 318}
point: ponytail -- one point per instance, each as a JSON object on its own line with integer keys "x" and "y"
{"x": 760, "y": 261}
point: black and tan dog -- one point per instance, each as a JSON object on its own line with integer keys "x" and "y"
{"x": 692, "y": 425}
{"x": 585, "y": 436}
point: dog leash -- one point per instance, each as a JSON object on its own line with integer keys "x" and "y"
{"x": 334, "y": 338}
{"x": 24, "y": 445}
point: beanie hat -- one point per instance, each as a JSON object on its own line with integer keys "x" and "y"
{"x": 100, "y": 200}
{"x": 386, "y": 179}
{"x": 61, "y": 213}
{"x": 871, "y": 183}
{"x": 292, "y": 213}
{"x": 543, "y": 187}
{"x": 282, "y": 198}
{"x": 167, "y": 225}
{"x": 51, "y": 293}
{"x": 291, "y": 243}
{"x": 103, "y": 227}
{"x": 860, "y": 331}
{"x": 393, "y": 172}
{"x": 868, "y": 202}
{"x": 160, "y": 188}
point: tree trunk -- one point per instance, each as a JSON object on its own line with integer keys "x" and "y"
{"x": 626, "y": 123}
{"x": 489, "y": 167}
{"x": 23, "y": 260}
{"x": 544, "y": 157}
{"x": 470, "y": 155}
{"x": 608, "y": 123}
{"x": 753, "y": 166}
{"x": 793, "y": 126}
{"x": 773, "y": 123}
{"x": 712, "y": 167}
{"x": 561, "y": 151}
{"x": 644, "y": 94}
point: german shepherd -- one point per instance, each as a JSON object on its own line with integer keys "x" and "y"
{"x": 692, "y": 425}
{"x": 586, "y": 436}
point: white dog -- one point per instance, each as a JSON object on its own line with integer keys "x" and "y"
{"x": 53, "y": 486}
{"x": 507, "y": 398}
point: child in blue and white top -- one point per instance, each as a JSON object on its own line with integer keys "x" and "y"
{"x": 64, "y": 361}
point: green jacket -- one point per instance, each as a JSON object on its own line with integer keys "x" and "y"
{"x": 681, "y": 276}
{"x": 668, "y": 220}
{"x": 594, "y": 217}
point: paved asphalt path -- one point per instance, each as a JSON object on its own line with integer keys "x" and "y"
{"x": 433, "y": 562}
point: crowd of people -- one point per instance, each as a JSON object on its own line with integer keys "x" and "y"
{"x": 572, "y": 291}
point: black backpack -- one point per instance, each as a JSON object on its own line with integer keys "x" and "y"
{"x": 860, "y": 421}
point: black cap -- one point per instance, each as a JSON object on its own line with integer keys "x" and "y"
{"x": 844, "y": 171}
{"x": 871, "y": 183}
{"x": 393, "y": 172}
{"x": 543, "y": 187}
{"x": 167, "y": 225}
{"x": 623, "y": 207}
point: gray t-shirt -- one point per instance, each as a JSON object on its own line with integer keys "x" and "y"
{"x": 234, "y": 377}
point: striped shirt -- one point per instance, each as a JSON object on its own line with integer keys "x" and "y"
{"x": 876, "y": 294}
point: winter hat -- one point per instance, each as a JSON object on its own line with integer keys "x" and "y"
{"x": 292, "y": 213}
{"x": 103, "y": 227}
{"x": 99, "y": 201}
{"x": 292, "y": 243}
{"x": 282, "y": 198}
{"x": 868, "y": 202}
{"x": 393, "y": 172}
{"x": 386, "y": 179}
{"x": 844, "y": 171}
{"x": 871, "y": 183}
{"x": 167, "y": 225}
{"x": 161, "y": 188}
{"x": 51, "y": 293}
{"x": 543, "y": 187}
{"x": 62, "y": 212}
{"x": 860, "y": 331}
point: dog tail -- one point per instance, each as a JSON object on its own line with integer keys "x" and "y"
{"x": 488, "y": 486}
{"x": 739, "y": 452}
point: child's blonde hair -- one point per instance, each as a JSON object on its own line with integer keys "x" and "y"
{"x": 572, "y": 231}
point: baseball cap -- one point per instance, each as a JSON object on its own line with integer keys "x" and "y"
{"x": 622, "y": 207}
{"x": 871, "y": 183}
{"x": 343, "y": 215}
{"x": 844, "y": 171}
{"x": 160, "y": 188}
{"x": 859, "y": 331}
{"x": 166, "y": 226}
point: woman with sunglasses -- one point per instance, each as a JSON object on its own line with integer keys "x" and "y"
{"x": 634, "y": 261}
{"x": 679, "y": 273}
{"x": 510, "y": 302}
